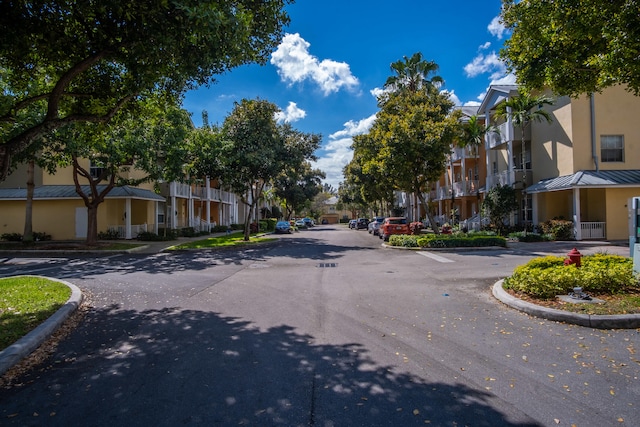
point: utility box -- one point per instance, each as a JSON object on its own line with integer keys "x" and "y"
{"x": 634, "y": 229}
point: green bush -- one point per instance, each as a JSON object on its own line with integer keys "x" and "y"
{"x": 17, "y": 237}
{"x": 403, "y": 240}
{"x": 110, "y": 234}
{"x": 559, "y": 229}
{"x": 547, "y": 277}
{"x": 521, "y": 236}
{"x": 12, "y": 237}
{"x": 460, "y": 240}
{"x": 149, "y": 236}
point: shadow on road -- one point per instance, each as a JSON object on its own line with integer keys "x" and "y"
{"x": 172, "y": 367}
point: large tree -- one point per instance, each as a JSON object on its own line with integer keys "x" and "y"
{"x": 573, "y": 47}
{"x": 416, "y": 131}
{"x": 129, "y": 150}
{"x": 64, "y": 61}
{"x": 416, "y": 126}
{"x": 252, "y": 153}
{"x": 297, "y": 186}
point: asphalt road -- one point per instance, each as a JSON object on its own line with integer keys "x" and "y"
{"x": 324, "y": 328}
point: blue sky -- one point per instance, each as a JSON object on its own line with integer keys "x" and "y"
{"x": 336, "y": 55}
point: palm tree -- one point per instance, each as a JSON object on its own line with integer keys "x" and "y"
{"x": 413, "y": 73}
{"x": 522, "y": 110}
{"x": 472, "y": 135}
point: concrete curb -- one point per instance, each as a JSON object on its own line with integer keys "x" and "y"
{"x": 27, "y": 344}
{"x": 622, "y": 321}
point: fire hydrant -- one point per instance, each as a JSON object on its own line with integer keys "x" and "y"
{"x": 574, "y": 258}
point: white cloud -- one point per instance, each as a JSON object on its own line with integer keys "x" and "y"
{"x": 295, "y": 65}
{"x": 352, "y": 128}
{"x": 338, "y": 151}
{"x": 377, "y": 92}
{"x": 452, "y": 96}
{"x": 508, "y": 79}
{"x": 496, "y": 28}
{"x": 291, "y": 114}
{"x": 485, "y": 46}
{"x": 482, "y": 64}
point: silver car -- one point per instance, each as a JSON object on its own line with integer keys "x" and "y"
{"x": 374, "y": 225}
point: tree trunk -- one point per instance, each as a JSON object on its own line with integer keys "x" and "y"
{"x": 432, "y": 221}
{"x": 92, "y": 224}
{"x": 27, "y": 236}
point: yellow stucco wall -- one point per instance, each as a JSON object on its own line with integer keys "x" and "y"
{"x": 57, "y": 217}
{"x": 54, "y": 217}
{"x": 556, "y": 204}
{"x": 618, "y": 213}
{"x": 553, "y": 148}
{"x": 616, "y": 113}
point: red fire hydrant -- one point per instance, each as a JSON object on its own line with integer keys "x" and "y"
{"x": 574, "y": 258}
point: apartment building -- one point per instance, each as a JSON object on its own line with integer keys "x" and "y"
{"x": 60, "y": 212}
{"x": 583, "y": 166}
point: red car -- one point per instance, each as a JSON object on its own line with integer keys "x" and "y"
{"x": 393, "y": 225}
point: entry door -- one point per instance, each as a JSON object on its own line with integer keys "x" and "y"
{"x": 82, "y": 222}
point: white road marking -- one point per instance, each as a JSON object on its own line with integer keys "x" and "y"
{"x": 434, "y": 256}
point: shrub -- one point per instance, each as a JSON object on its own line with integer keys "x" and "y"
{"x": 12, "y": 237}
{"x": 150, "y": 236}
{"x": 521, "y": 236}
{"x": 460, "y": 240}
{"x": 188, "y": 232}
{"x": 110, "y": 234}
{"x": 547, "y": 277}
{"x": 403, "y": 240}
{"x": 17, "y": 237}
{"x": 416, "y": 227}
{"x": 559, "y": 229}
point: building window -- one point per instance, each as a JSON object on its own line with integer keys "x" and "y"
{"x": 95, "y": 171}
{"x": 612, "y": 148}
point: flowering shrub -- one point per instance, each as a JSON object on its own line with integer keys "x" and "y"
{"x": 416, "y": 227}
{"x": 547, "y": 277}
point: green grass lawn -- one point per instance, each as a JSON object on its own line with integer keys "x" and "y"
{"x": 234, "y": 239}
{"x": 25, "y": 302}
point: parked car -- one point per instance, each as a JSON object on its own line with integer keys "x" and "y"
{"x": 309, "y": 222}
{"x": 283, "y": 227}
{"x": 352, "y": 223}
{"x": 393, "y": 225}
{"x": 375, "y": 224}
{"x": 362, "y": 224}
{"x": 301, "y": 224}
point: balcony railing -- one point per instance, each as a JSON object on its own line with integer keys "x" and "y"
{"x": 459, "y": 153}
{"x": 465, "y": 188}
{"x": 505, "y": 134}
{"x": 517, "y": 178}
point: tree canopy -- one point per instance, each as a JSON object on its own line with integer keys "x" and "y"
{"x": 126, "y": 151}
{"x": 63, "y": 62}
{"x": 573, "y": 47}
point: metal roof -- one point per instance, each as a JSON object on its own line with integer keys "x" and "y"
{"x": 588, "y": 178}
{"x": 48, "y": 192}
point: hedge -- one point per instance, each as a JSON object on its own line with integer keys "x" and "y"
{"x": 446, "y": 241}
{"x": 547, "y": 277}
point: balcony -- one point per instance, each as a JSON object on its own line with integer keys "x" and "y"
{"x": 519, "y": 179}
{"x": 506, "y": 133}
{"x": 465, "y": 188}
{"x": 459, "y": 153}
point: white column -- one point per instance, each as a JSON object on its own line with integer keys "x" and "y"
{"x": 127, "y": 218}
{"x": 577, "y": 231}
{"x": 155, "y": 221}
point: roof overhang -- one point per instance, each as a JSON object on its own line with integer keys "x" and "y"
{"x": 587, "y": 179}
